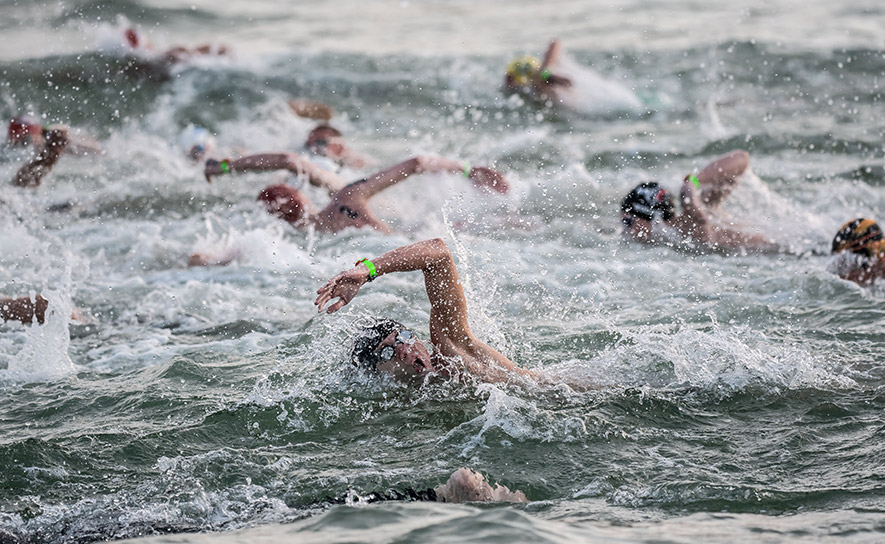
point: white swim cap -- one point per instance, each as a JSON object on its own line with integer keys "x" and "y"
{"x": 196, "y": 140}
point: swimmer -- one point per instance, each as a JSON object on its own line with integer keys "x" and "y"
{"x": 648, "y": 214}
{"x": 388, "y": 347}
{"x": 860, "y": 247}
{"x": 54, "y": 142}
{"x": 560, "y": 81}
{"x": 27, "y": 130}
{"x": 464, "y": 485}
{"x": 23, "y": 309}
{"x": 141, "y": 45}
{"x": 327, "y": 141}
{"x": 349, "y": 206}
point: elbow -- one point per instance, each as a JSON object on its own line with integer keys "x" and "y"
{"x": 417, "y": 164}
{"x": 439, "y": 250}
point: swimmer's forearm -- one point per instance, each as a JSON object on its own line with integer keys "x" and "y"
{"x": 268, "y": 162}
{"x": 400, "y": 171}
{"x": 726, "y": 167}
{"x": 554, "y": 50}
{"x": 430, "y": 256}
{"x": 418, "y": 256}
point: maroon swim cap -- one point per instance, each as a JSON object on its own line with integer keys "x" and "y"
{"x": 283, "y": 201}
{"x": 21, "y": 128}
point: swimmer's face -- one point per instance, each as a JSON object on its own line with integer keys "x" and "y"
{"x": 199, "y": 152}
{"x": 325, "y": 141}
{"x": 409, "y": 358}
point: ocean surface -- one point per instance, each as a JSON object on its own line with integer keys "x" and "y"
{"x": 737, "y": 398}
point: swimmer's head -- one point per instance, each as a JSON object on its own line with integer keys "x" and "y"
{"x": 23, "y": 129}
{"x": 363, "y": 354}
{"x": 861, "y": 236}
{"x": 132, "y": 38}
{"x": 387, "y": 346}
{"x": 283, "y": 201}
{"x": 521, "y": 70}
{"x": 196, "y": 142}
{"x": 648, "y": 201}
{"x": 319, "y": 138}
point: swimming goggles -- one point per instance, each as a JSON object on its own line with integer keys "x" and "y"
{"x": 404, "y": 336}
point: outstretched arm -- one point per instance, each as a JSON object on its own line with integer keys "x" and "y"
{"x": 266, "y": 162}
{"x": 30, "y": 175}
{"x": 480, "y": 175}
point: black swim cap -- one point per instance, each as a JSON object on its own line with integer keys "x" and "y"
{"x": 858, "y": 236}
{"x": 647, "y": 201}
{"x": 363, "y": 353}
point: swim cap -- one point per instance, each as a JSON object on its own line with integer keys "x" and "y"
{"x": 858, "y": 236}
{"x": 21, "y": 128}
{"x": 522, "y": 69}
{"x": 363, "y": 353}
{"x": 318, "y": 138}
{"x": 196, "y": 141}
{"x": 647, "y": 201}
{"x": 283, "y": 201}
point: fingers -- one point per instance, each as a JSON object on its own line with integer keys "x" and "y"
{"x": 335, "y": 307}
{"x": 326, "y": 294}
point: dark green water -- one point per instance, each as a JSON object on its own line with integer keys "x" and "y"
{"x": 740, "y": 398}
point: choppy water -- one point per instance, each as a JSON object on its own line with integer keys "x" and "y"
{"x": 742, "y": 397}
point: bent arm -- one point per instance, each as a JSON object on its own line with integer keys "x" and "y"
{"x": 268, "y": 162}
{"x": 432, "y": 257}
{"x": 449, "y": 331}
{"x": 725, "y": 168}
{"x": 481, "y": 176}
{"x": 30, "y": 175}
{"x": 551, "y": 57}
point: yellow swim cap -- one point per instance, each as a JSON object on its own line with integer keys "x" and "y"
{"x": 858, "y": 236}
{"x": 522, "y": 69}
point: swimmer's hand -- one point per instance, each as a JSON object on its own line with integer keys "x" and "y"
{"x": 688, "y": 195}
{"x": 212, "y": 168}
{"x": 486, "y": 177}
{"x": 344, "y": 287}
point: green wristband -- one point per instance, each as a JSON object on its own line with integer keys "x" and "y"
{"x": 545, "y": 75}
{"x": 371, "y": 266}
{"x": 225, "y": 166}
{"x": 694, "y": 179}
{"x": 467, "y": 169}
